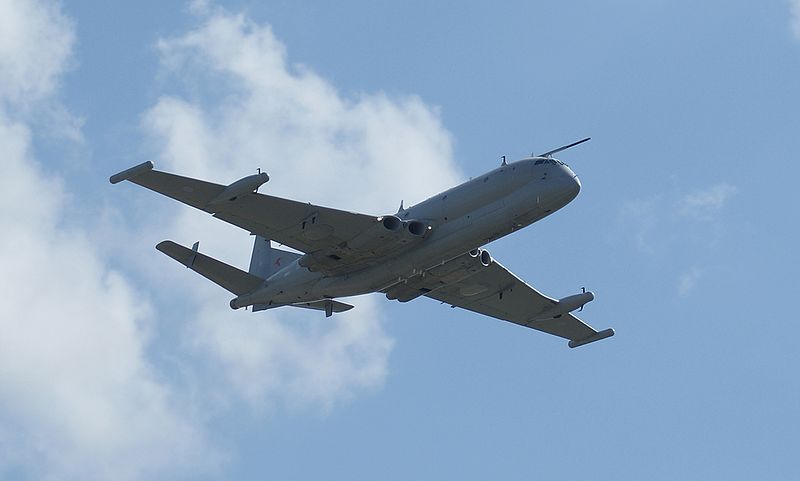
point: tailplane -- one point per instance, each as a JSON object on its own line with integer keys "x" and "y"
{"x": 232, "y": 279}
{"x": 264, "y": 263}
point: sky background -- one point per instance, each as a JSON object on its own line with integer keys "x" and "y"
{"x": 117, "y": 364}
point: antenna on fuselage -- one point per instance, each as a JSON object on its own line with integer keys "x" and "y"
{"x": 561, "y": 149}
{"x": 504, "y": 160}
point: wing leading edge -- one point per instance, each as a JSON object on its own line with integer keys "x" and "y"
{"x": 495, "y": 291}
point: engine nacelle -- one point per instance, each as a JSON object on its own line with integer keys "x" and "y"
{"x": 243, "y": 186}
{"x": 387, "y": 232}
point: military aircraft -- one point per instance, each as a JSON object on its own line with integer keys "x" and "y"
{"x": 431, "y": 249}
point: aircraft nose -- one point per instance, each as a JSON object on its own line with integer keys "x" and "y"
{"x": 573, "y": 185}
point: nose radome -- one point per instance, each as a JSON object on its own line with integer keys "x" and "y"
{"x": 573, "y": 186}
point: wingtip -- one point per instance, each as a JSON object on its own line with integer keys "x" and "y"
{"x": 163, "y": 245}
{"x": 598, "y": 336}
{"x": 132, "y": 172}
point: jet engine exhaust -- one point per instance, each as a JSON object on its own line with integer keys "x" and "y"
{"x": 392, "y": 223}
{"x": 483, "y": 254}
{"x": 417, "y": 228}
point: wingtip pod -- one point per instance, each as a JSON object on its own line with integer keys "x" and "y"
{"x": 132, "y": 172}
{"x": 594, "y": 337}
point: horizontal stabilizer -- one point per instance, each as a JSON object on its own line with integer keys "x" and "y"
{"x": 234, "y": 280}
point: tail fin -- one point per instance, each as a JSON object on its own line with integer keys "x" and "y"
{"x": 267, "y": 260}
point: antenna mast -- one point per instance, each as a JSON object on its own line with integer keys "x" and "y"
{"x": 560, "y": 149}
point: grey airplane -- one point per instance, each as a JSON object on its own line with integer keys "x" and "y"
{"x": 431, "y": 249}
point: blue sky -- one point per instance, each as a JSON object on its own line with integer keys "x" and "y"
{"x": 115, "y": 363}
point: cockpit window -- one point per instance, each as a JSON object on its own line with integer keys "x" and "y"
{"x": 549, "y": 161}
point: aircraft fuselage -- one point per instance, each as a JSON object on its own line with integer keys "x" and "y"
{"x": 462, "y": 218}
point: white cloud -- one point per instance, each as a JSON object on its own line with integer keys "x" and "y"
{"x": 663, "y": 221}
{"x": 297, "y": 358}
{"x": 74, "y": 379}
{"x": 688, "y": 281}
{"x": 36, "y": 42}
{"x": 794, "y": 13}
{"x": 370, "y": 150}
{"x": 80, "y": 394}
{"x": 640, "y": 218}
{"x": 78, "y": 397}
{"x": 363, "y": 153}
{"x": 706, "y": 204}
{"x": 35, "y": 45}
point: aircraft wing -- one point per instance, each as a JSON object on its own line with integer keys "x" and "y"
{"x": 320, "y": 231}
{"x": 496, "y": 292}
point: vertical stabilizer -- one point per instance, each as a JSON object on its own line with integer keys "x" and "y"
{"x": 260, "y": 261}
{"x": 266, "y": 260}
